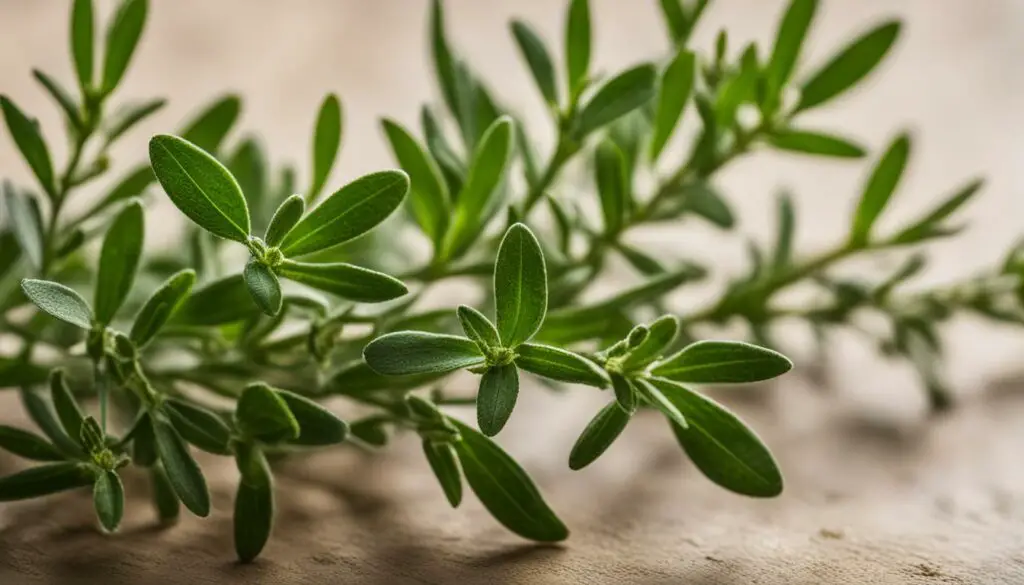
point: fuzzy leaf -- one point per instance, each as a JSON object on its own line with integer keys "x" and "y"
{"x": 559, "y": 364}
{"x": 108, "y": 499}
{"x": 317, "y": 425}
{"x": 59, "y": 301}
{"x": 263, "y": 286}
{"x": 499, "y": 389}
{"x": 182, "y": 470}
{"x": 662, "y": 332}
{"x": 478, "y": 328}
{"x": 199, "y": 426}
{"x": 418, "y": 352}
{"x": 598, "y": 435}
{"x": 722, "y": 362}
{"x": 520, "y": 286}
{"x": 345, "y": 280}
{"x": 262, "y": 414}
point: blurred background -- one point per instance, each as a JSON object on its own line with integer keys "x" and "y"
{"x": 952, "y": 81}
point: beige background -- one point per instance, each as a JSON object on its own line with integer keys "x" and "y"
{"x": 938, "y": 504}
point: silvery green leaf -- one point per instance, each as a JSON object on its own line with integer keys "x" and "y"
{"x": 418, "y": 352}
{"x": 59, "y": 301}
{"x": 520, "y": 286}
{"x": 499, "y": 389}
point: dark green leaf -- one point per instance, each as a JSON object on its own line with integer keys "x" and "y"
{"x": 788, "y": 42}
{"x": 418, "y": 352}
{"x": 82, "y": 43}
{"x": 622, "y": 94}
{"x": 182, "y": 470}
{"x": 673, "y": 93}
{"x": 108, "y": 498}
{"x": 345, "y": 280}
{"x": 317, "y": 425}
{"x": 62, "y": 97}
{"x": 930, "y": 224}
{"x": 599, "y": 434}
{"x": 122, "y": 36}
{"x": 23, "y": 221}
{"x": 702, "y": 200}
{"x": 612, "y": 186}
{"x": 662, "y": 332}
{"x": 445, "y": 466}
{"x": 91, "y": 436}
{"x": 350, "y": 212}
{"x": 119, "y": 260}
{"x": 485, "y": 175}
{"x": 254, "y": 505}
{"x": 222, "y": 301}
{"x": 520, "y": 286}
{"x": 625, "y": 393}
{"x": 44, "y": 480}
{"x": 41, "y": 412}
{"x": 199, "y": 426}
{"x": 428, "y": 193}
{"x": 262, "y": 414}
{"x": 478, "y": 328}
{"x": 64, "y": 403}
{"x": 59, "y": 301}
{"x": 499, "y": 389}
{"x": 129, "y": 116}
{"x": 263, "y": 286}
{"x": 164, "y": 499}
{"x": 809, "y": 142}
{"x": 208, "y": 129}
{"x": 538, "y": 59}
{"x": 722, "y": 362}
{"x": 849, "y": 66}
{"x": 559, "y": 364}
{"x": 200, "y": 187}
{"x": 159, "y": 307}
{"x": 784, "y": 235}
{"x": 28, "y": 445}
{"x": 29, "y": 140}
{"x": 370, "y": 431}
{"x": 444, "y": 63}
{"x": 676, "y": 20}
{"x": 879, "y": 189}
{"x": 326, "y": 142}
{"x": 143, "y": 442}
{"x": 654, "y": 396}
{"x": 721, "y": 446}
{"x": 577, "y": 45}
{"x": 285, "y": 218}
{"x": 505, "y": 489}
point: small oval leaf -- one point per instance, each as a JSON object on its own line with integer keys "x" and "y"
{"x": 520, "y": 286}
{"x": 499, "y": 389}
{"x": 559, "y": 364}
{"x": 418, "y": 352}
{"x": 182, "y": 470}
{"x": 345, "y": 280}
{"x": 59, "y": 301}
{"x": 722, "y": 362}
{"x": 599, "y": 434}
{"x": 108, "y": 499}
{"x": 160, "y": 306}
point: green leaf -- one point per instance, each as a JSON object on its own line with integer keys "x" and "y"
{"x": 23, "y": 221}
{"x": 182, "y": 470}
{"x": 499, "y": 389}
{"x": 62, "y": 97}
{"x": 317, "y": 425}
{"x": 28, "y": 445}
{"x": 285, "y": 218}
{"x": 143, "y": 442}
{"x": 879, "y": 189}
{"x": 108, "y": 498}
{"x": 160, "y": 306}
{"x": 928, "y": 225}
{"x": 418, "y": 352}
{"x": 721, "y": 446}
{"x": 326, "y": 142}
{"x": 30, "y": 142}
{"x": 783, "y": 252}
{"x": 848, "y": 66}
{"x": 444, "y": 63}
{"x": 41, "y": 411}
{"x": 505, "y": 489}
{"x": 119, "y": 260}
{"x": 122, "y": 37}
{"x": 478, "y": 328}
{"x": 130, "y": 115}
{"x": 254, "y": 504}
{"x": 599, "y": 434}
{"x": 263, "y": 286}
{"x": 59, "y": 301}
{"x": 520, "y": 286}
{"x": 44, "y": 480}
{"x": 661, "y": 333}
{"x": 66, "y": 406}
{"x": 738, "y": 89}
{"x": 220, "y": 302}
{"x": 91, "y": 436}
{"x": 428, "y": 192}
{"x": 625, "y": 393}
{"x": 199, "y": 426}
{"x": 654, "y": 396}
{"x": 208, "y": 129}
{"x": 350, "y": 212}
{"x": 673, "y": 93}
{"x": 370, "y": 431}
{"x": 700, "y": 199}
{"x": 622, "y": 94}
{"x": 577, "y": 45}
{"x": 345, "y": 280}
{"x": 200, "y": 187}
{"x": 443, "y": 463}
{"x": 262, "y": 414}
{"x": 538, "y": 59}
{"x": 164, "y": 499}
{"x": 82, "y": 42}
{"x": 559, "y": 364}
{"x": 485, "y": 175}
{"x": 676, "y": 20}
{"x": 788, "y": 42}
{"x": 612, "y": 185}
{"x": 810, "y": 142}
{"x": 722, "y": 362}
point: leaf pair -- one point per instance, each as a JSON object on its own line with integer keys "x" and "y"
{"x": 520, "y": 290}
{"x": 122, "y": 38}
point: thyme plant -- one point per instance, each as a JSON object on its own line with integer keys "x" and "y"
{"x": 230, "y": 341}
